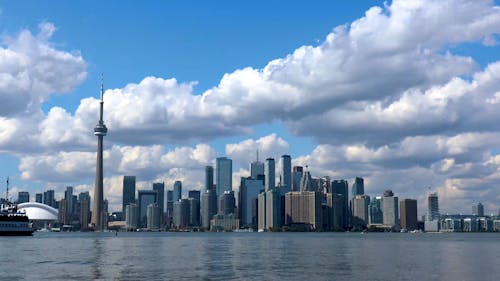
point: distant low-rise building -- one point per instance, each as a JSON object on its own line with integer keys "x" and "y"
{"x": 222, "y": 222}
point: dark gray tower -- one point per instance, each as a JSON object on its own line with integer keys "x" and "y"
{"x": 100, "y": 131}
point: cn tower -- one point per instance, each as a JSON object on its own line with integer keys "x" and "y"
{"x": 100, "y": 131}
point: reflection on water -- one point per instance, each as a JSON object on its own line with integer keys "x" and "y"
{"x": 250, "y": 256}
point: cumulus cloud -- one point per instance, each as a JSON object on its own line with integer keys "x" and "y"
{"x": 31, "y": 70}
{"x": 377, "y": 68}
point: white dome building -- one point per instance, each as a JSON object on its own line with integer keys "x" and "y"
{"x": 38, "y": 212}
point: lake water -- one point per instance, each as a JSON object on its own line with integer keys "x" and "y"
{"x": 251, "y": 256}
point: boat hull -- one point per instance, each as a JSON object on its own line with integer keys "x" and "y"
{"x": 16, "y": 233}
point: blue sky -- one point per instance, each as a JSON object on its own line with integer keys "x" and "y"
{"x": 393, "y": 96}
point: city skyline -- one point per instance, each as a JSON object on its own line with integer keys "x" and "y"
{"x": 421, "y": 111}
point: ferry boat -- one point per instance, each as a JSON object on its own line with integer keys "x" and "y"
{"x": 13, "y": 222}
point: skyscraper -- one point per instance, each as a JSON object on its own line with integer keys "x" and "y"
{"x": 39, "y": 197}
{"x": 432, "y": 207}
{"x": 224, "y": 167}
{"x": 342, "y": 187}
{"x": 249, "y": 191}
{"x": 286, "y": 171}
{"x": 303, "y": 208}
{"x": 177, "y": 190}
{"x": 335, "y": 211}
{"x": 132, "y": 216}
{"x": 306, "y": 182}
{"x": 408, "y": 213}
{"x": 100, "y": 131}
{"x": 256, "y": 168}
{"x": 296, "y": 177}
{"x": 170, "y": 207}
{"x": 209, "y": 177}
{"x": 128, "y": 192}
{"x": 49, "y": 199}
{"x": 145, "y": 198}
{"x": 358, "y": 188}
{"x": 478, "y": 209}
{"x": 195, "y": 194}
{"x": 84, "y": 212}
{"x": 159, "y": 187}
{"x": 227, "y": 203}
{"x": 23, "y": 196}
{"x": 273, "y": 209}
{"x": 390, "y": 211}
{"x": 208, "y": 207}
{"x": 375, "y": 212}
{"x": 153, "y": 216}
{"x": 360, "y": 210}
{"x": 270, "y": 174}
{"x": 194, "y": 212}
{"x": 181, "y": 214}
{"x": 68, "y": 196}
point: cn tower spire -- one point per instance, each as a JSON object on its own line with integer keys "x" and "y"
{"x": 100, "y": 130}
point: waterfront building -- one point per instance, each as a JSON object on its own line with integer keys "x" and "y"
{"x": 270, "y": 174}
{"x": 451, "y": 225}
{"x": 375, "y": 211}
{"x": 249, "y": 191}
{"x": 390, "y": 209}
{"x": 484, "y": 224}
{"x": 153, "y": 216}
{"x": 39, "y": 197}
{"x": 408, "y": 214}
{"x": 208, "y": 207}
{"x": 496, "y": 225}
{"x": 132, "y": 216}
{"x": 303, "y": 210}
{"x": 432, "y": 207}
{"x": 181, "y": 214}
{"x": 296, "y": 177}
{"x": 177, "y": 191}
{"x": 286, "y": 171}
{"x": 128, "y": 193}
{"x": 194, "y": 212}
{"x": 273, "y": 209}
{"x": 478, "y": 209}
{"x": 360, "y": 210}
{"x": 227, "y": 203}
{"x": 224, "y": 170}
{"x": 23, "y": 197}
{"x": 261, "y": 211}
{"x": 222, "y": 222}
{"x": 470, "y": 224}
{"x": 342, "y": 187}
{"x": 335, "y": 211}
{"x": 100, "y": 130}
{"x": 49, "y": 199}
{"x": 209, "y": 177}
{"x": 145, "y": 198}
